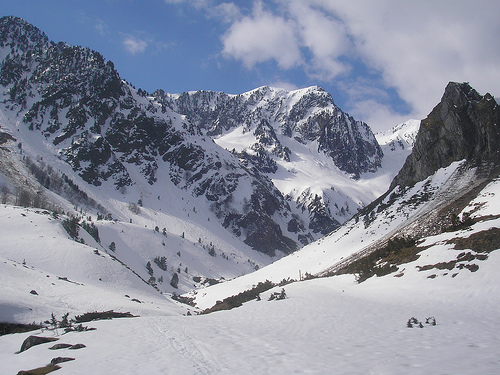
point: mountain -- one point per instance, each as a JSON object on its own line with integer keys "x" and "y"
{"x": 409, "y": 285}
{"x": 285, "y": 135}
{"x": 116, "y": 201}
{"x": 462, "y": 126}
{"x": 155, "y": 177}
{"x": 79, "y": 109}
{"x": 124, "y": 143}
{"x": 273, "y": 116}
{"x": 450, "y": 204}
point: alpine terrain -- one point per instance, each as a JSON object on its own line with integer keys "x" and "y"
{"x": 265, "y": 232}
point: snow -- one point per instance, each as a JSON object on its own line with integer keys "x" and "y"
{"x": 326, "y": 325}
{"x": 330, "y": 325}
{"x": 486, "y": 203}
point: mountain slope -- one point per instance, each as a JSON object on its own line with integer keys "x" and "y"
{"x": 401, "y": 218}
{"x": 78, "y": 109}
{"x": 293, "y": 137}
{"x": 66, "y": 103}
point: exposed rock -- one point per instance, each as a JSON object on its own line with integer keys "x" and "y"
{"x": 305, "y": 116}
{"x": 77, "y": 346}
{"x": 40, "y": 370}
{"x": 58, "y": 360}
{"x": 35, "y": 340}
{"x": 59, "y": 346}
{"x": 464, "y": 125}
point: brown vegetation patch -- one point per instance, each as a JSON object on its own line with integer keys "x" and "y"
{"x": 8, "y": 328}
{"x": 482, "y": 242}
{"x": 103, "y": 315}
{"x": 383, "y": 261}
{"x": 237, "y": 300}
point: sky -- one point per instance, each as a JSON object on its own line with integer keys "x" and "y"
{"x": 383, "y": 61}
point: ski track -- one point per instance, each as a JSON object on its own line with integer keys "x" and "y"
{"x": 180, "y": 341}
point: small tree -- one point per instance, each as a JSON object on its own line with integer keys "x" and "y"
{"x": 71, "y": 226}
{"x": 175, "y": 281}
{"x": 65, "y": 321}
{"x": 112, "y": 246}
{"x": 161, "y": 262}
{"x": 152, "y": 282}
{"x": 24, "y": 198}
{"x": 5, "y": 193}
{"x": 149, "y": 268}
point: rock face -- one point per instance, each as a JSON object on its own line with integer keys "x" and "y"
{"x": 305, "y": 116}
{"x": 271, "y": 125}
{"x": 464, "y": 125}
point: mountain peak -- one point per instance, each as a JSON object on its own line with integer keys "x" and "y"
{"x": 15, "y": 31}
{"x": 464, "y": 125}
{"x": 459, "y": 93}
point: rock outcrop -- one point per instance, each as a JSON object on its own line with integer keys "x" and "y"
{"x": 464, "y": 125}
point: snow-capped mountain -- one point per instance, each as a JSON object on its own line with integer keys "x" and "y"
{"x": 451, "y": 198}
{"x": 65, "y": 103}
{"x": 409, "y": 285}
{"x": 78, "y": 139}
{"x": 312, "y": 151}
{"x": 401, "y": 136}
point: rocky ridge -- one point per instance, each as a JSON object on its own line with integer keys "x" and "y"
{"x": 271, "y": 124}
{"x": 464, "y": 125}
{"x": 116, "y": 137}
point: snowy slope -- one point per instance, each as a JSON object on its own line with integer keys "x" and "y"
{"x": 191, "y": 228}
{"x": 38, "y": 255}
{"x": 357, "y": 236}
{"x": 330, "y": 325}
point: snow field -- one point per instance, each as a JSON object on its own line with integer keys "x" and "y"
{"x": 330, "y": 325}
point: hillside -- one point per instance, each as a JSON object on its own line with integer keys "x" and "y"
{"x": 78, "y": 139}
{"x": 266, "y": 232}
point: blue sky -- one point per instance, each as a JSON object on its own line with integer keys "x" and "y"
{"x": 383, "y": 61}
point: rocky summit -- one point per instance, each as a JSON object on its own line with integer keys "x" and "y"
{"x": 464, "y": 125}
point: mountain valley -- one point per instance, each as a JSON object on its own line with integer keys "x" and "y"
{"x": 265, "y": 232}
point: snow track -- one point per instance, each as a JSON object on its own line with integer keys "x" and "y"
{"x": 180, "y": 341}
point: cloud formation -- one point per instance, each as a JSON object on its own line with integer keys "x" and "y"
{"x": 391, "y": 50}
{"x": 260, "y": 37}
{"x": 134, "y": 45}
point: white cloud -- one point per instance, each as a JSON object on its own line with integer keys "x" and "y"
{"x": 227, "y": 12}
{"x": 411, "y": 48}
{"x": 324, "y": 36}
{"x": 261, "y": 37}
{"x": 420, "y": 47}
{"x": 134, "y": 45}
{"x": 101, "y": 27}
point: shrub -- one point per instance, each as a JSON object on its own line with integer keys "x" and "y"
{"x": 175, "y": 280}
{"x": 134, "y": 208}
